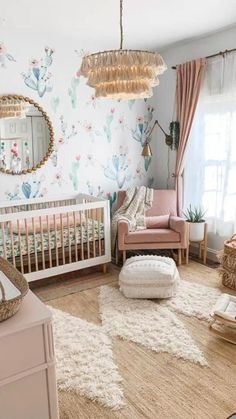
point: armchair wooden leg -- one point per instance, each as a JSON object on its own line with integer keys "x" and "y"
{"x": 187, "y": 254}
{"x": 179, "y": 260}
{"x": 124, "y": 256}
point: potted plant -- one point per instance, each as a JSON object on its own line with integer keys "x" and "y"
{"x": 195, "y": 218}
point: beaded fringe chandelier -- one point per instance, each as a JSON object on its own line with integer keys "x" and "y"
{"x": 124, "y": 73}
{"x": 12, "y": 109}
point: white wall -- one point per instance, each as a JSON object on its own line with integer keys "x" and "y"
{"x": 165, "y": 93}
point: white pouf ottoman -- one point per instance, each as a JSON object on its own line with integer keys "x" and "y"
{"x": 149, "y": 277}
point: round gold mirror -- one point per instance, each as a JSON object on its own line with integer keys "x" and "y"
{"x": 26, "y": 135}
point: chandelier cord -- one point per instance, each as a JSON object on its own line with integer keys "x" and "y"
{"x": 121, "y": 24}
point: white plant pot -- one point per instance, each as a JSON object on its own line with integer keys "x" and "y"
{"x": 196, "y": 231}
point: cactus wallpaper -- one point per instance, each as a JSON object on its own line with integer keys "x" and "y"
{"x": 98, "y": 142}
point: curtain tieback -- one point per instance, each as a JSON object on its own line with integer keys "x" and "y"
{"x": 176, "y": 175}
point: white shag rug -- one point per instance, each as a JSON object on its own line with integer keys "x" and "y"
{"x": 192, "y": 300}
{"x": 84, "y": 360}
{"x": 147, "y": 323}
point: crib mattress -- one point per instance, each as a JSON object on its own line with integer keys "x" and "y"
{"x": 89, "y": 234}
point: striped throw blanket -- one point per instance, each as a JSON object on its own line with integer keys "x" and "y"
{"x": 137, "y": 201}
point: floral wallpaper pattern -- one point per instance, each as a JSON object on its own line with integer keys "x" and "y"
{"x": 98, "y": 142}
{"x": 5, "y": 56}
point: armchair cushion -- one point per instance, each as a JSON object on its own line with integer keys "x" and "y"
{"x": 159, "y": 235}
{"x": 159, "y": 221}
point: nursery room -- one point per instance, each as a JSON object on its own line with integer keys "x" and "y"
{"x": 118, "y": 209}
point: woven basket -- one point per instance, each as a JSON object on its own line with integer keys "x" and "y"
{"x": 9, "y": 307}
{"x": 227, "y": 258}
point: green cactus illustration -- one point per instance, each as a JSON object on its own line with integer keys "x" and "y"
{"x": 72, "y": 91}
{"x": 74, "y": 173}
{"x": 147, "y": 162}
{"x": 131, "y": 103}
{"x": 55, "y": 103}
{"x": 107, "y": 127}
{"x": 38, "y": 77}
{"x": 112, "y": 198}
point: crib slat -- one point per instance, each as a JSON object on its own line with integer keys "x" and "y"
{"x": 75, "y": 234}
{"x": 4, "y": 241}
{"x": 42, "y": 241}
{"x": 68, "y": 235}
{"x": 35, "y": 246}
{"x": 12, "y": 245}
{"x": 87, "y": 230}
{"x": 55, "y": 231}
{"x": 49, "y": 242}
{"x": 93, "y": 234}
{"x": 99, "y": 233}
{"x": 62, "y": 240}
{"x": 81, "y": 236}
{"x": 27, "y": 244}
{"x": 20, "y": 248}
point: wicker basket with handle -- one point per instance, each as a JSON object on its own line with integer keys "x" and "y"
{"x": 9, "y": 307}
{"x": 227, "y": 258}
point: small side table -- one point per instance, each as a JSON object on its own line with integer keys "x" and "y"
{"x": 202, "y": 245}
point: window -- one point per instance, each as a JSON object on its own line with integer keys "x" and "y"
{"x": 210, "y": 174}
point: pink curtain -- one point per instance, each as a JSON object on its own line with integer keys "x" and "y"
{"x": 189, "y": 80}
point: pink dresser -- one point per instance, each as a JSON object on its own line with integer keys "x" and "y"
{"x": 27, "y": 366}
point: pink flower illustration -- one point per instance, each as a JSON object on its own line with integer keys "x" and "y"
{"x": 34, "y": 63}
{"x": 58, "y": 178}
{"x": 2, "y": 48}
{"x": 78, "y": 157}
{"x": 112, "y": 110}
{"x": 88, "y": 127}
{"x": 140, "y": 119}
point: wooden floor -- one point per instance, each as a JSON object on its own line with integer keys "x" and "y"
{"x": 156, "y": 386}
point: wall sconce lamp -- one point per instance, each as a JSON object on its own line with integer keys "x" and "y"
{"x": 170, "y": 140}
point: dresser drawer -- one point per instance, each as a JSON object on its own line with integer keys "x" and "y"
{"x": 21, "y": 351}
{"x": 26, "y": 398}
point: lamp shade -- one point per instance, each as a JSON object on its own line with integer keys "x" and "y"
{"x": 147, "y": 152}
{"x": 123, "y": 73}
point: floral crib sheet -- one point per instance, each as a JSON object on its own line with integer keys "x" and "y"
{"x": 92, "y": 232}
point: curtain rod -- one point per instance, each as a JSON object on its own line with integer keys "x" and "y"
{"x": 214, "y": 55}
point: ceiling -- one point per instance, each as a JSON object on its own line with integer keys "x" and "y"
{"x": 94, "y": 24}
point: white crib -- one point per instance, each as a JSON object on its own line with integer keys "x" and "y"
{"x": 45, "y": 237}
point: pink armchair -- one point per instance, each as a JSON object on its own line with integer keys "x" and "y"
{"x": 164, "y": 229}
